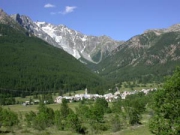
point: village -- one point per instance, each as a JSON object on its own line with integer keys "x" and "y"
{"x": 108, "y": 97}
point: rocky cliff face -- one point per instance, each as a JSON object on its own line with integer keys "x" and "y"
{"x": 32, "y": 28}
{"x": 90, "y": 48}
{"x": 6, "y": 19}
{"x": 78, "y": 44}
{"x": 149, "y": 55}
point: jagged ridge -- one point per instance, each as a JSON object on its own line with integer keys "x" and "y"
{"x": 91, "y": 48}
{"x": 145, "y": 57}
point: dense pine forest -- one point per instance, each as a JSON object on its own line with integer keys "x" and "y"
{"x": 28, "y": 64}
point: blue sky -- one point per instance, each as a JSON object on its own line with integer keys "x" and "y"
{"x": 119, "y": 19}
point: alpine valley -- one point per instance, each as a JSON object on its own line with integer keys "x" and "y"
{"x": 30, "y": 65}
{"x": 90, "y": 48}
{"x": 60, "y": 55}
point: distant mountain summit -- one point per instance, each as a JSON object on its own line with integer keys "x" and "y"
{"x": 78, "y": 44}
{"x": 146, "y": 57}
{"x": 83, "y": 47}
{"x": 173, "y": 28}
{"x": 6, "y": 19}
{"x": 30, "y": 65}
{"x": 90, "y": 48}
{"x": 32, "y": 28}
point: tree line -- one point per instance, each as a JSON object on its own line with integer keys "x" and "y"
{"x": 95, "y": 117}
{"x": 31, "y": 65}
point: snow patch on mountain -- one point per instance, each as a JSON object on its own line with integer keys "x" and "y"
{"x": 84, "y": 38}
{"x": 59, "y": 33}
{"x": 73, "y": 42}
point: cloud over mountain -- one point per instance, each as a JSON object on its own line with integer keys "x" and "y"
{"x": 49, "y": 5}
{"x": 68, "y": 9}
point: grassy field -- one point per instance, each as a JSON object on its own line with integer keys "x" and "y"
{"x": 23, "y": 130}
{"x": 126, "y": 87}
{"x": 27, "y": 98}
{"x": 30, "y": 131}
{"x": 139, "y": 130}
{"x": 24, "y": 109}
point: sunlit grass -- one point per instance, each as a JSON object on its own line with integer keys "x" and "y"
{"x": 139, "y": 86}
{"x": 141, "y": 130}
{"x": 28, "y": 108}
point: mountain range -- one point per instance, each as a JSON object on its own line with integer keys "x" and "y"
{"x": 30, "y": 65}
{"x": 90, "y": 48}
{"x": 146, "y": 57}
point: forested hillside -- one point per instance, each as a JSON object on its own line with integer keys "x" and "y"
{"x": 28, "y": 64}
{"x": 144, "y": 58}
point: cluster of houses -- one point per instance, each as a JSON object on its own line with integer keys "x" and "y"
{"x": 78, "y": 97}
{"x": 108, "y": 97}
{"x": 31, "y": 103}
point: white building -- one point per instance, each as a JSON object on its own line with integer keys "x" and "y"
{"x": 58, "y": 99}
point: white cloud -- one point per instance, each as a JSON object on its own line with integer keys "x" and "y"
{"x": 68, "y": 9}
{"x": 49, "y": 5}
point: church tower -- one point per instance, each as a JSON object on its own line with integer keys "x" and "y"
{"x": 86, "y": 91}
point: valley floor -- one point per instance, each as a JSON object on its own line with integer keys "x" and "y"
{"x": 24, "y": 130}
{"x": 135, "y": 130}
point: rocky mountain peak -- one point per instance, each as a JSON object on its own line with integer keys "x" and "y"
{"x": 33, "y": 28}
{"x": 17, "y": 17}
{"x": 6, "y": 19}
{"x": 174, "y": 28}
{"x": 79, "y": 45}
{"x": 1, "y": 10}
{"x": 63, "y": 26}
{"x": 3, "y": 17}
{"x": 41, "y": 24}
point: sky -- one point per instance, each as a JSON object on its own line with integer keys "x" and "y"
{"x": 118, "y": 19}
